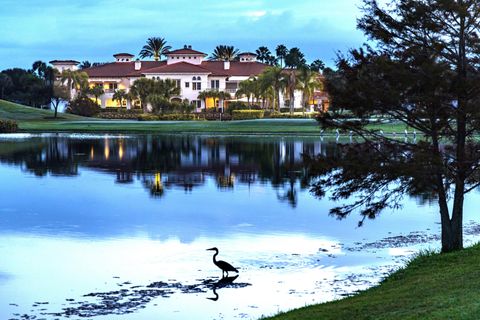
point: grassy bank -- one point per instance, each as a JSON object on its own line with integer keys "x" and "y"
{"x": 36, "y": 120}
{"x": 432, "y": 286}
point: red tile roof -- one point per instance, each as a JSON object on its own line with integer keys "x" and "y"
{"x": 186, "y": 51}
{"x": 216, "y": 68}
{"x": 179, "y": 67}
{"x": 237, "y": 68}
{"x": 121, "y": 69}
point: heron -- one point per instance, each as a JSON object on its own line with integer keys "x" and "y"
{"x": 225, "y": 266}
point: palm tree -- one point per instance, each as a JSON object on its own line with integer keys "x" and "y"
{"x": 131, "y": 97}
{"x": 166, "y": 88}
{"x": 224, "y": 53}
{"x": 158, "y": 102}
{"x": 85, "y": 65}
{"x": 142, "y": 88}
{"x": 246, "y": 88}
{"x": 155, "y": 47}
{"x": 309, "y": 81}
{"x": 38, "y": 67}
{"x": 263, "y": 54}
{"x": 119, "y": 96}
{"x": 95, "y": 91}
{"x": 281, "y": 52}
{"x": 222, "y": 96}
{"x": 291, "y": 85}
{"x": 45, "y": 72}
{"x": 204, "y": 95}
{"x": 266, "y": 91}
{"x": 75, "y": 80}
{"x": 275, "y": 76}
{"x": 317, "y": 65}
{"x": 295, "y": 59}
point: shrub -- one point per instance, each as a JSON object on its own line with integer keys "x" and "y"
{"x": 118, "y": 115}
{"x": 122, "y": 114}
{"x": 83, "y": 106}
{"x": 278, "y": 115}
{"x": 166, "y": 117}
{"x": 247, "y": 114}
{"x": 147, "y": 117}
{"x": 8, "y": 126}
{"x": 214, "y": 116}
{"x": 238, "y": 105}
{"x": 120, "y": 110}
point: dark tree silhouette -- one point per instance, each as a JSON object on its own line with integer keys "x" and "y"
{"x": 281, "y": 52}
{"x": 317, "y": 65}
{"x": 424, "y": 73}
{"x": 264, "y": 55}
{"x": 295, "y": 59}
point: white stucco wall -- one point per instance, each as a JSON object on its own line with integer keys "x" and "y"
{"x": 186, "y": 93}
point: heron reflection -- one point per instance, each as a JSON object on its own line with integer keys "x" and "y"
{"x": 223, "y": 282}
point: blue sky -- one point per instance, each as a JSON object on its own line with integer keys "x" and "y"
{"x": 95, "y": 29}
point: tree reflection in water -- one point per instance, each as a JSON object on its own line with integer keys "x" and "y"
{"x": 163, "y": 162}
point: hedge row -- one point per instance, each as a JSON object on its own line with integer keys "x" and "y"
{"x": 167, "y": 117}
{"x": 278, "y": 115}
{"x": 119, "y": 115}
{"x": 247, "y": 114}
{"x": 116, "y": 110}
{"x": 8, "y": 126}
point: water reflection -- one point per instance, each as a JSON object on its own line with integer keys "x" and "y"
{"x": 163, "y": 162}
{"x": 123, "y": 223}
{"x": 223, "y": 282}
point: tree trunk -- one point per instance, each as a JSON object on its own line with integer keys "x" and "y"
{"x": 277, "y": 94}
{"x": 292, "y": 102}
{"x": 452, "y": 229}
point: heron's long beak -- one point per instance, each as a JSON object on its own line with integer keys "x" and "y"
{"x": 212, "y": 249}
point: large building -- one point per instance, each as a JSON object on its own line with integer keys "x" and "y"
{"x": 188, "y": 67}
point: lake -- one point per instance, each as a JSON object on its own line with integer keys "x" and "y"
{"x": 117, "y": 227}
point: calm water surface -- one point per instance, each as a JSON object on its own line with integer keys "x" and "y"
{"x": 116, "y": 227}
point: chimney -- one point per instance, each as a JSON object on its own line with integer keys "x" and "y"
{"x": 189, "y": 47}
{"x": 185, "y": 47}
{"x": 138, "y": 64}
{"x": 226, "y": 65}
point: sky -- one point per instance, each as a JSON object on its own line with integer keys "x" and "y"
{"x": 94, "y": 30}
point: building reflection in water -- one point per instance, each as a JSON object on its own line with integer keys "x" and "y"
{"x": 163, "y": 162}
{"x": 106, "y": 149}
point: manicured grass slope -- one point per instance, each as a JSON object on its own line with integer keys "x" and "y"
{"x": 32, "y": 119}
{"x": 242, "y": 127}
{"x": 434, "y": 286}
{"x": 18, "y": 112}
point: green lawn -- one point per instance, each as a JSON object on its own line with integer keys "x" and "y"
{"x": 21, "y": 113}
{"x": 32, "y": 119}
{"x": 434, "y": 286}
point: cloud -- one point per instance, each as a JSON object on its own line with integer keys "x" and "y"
{"x": 95, "y": 29}
{"x": 256, "y": 14}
